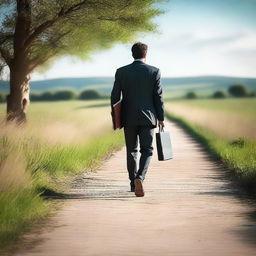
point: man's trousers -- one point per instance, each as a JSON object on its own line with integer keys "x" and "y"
{"x": 143, "y": 134}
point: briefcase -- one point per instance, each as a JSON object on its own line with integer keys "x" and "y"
{"x": 163, "y": 145}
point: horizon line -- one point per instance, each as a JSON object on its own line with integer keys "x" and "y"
{"x": 172, "y": 77}
{"x": 192, "y": 76}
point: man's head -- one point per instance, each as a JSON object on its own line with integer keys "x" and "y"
{"x": 139, "y": 50}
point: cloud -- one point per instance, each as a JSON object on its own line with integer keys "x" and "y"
{"x": 198, "y": 40}
{"x": 242, "y": 42}
{"x": 215, "y": 41}
{"x": 242, "y": 53}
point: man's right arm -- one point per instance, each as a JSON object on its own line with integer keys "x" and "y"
{"x": 116, "y": 90}
{"x": 158, "y": 97}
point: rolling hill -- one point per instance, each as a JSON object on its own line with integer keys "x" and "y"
{"x": 171, "y": 85}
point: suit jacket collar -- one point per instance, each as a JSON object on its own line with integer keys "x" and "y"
{"x": 138, "y": 61}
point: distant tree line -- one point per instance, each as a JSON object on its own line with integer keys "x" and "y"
{"x": 236, "y": 90}
{"x": 88, "y": 94}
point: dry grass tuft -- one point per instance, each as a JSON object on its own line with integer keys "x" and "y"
{"x": 60, "y": 139}
{"x": 13, "y": 174}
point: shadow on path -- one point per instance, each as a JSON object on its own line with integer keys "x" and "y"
{"x": 100, "y": 105}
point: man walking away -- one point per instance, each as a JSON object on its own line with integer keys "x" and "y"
{"x": 142, "y": 110}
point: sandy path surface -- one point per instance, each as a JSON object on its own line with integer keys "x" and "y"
{"x": 189, "y": 208}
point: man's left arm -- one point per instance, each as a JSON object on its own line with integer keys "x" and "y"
{"x": 116, "y": 90}
{"x": 158, "y": 97}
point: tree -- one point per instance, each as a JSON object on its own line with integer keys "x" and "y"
{"x": 64, "y": 95}
{"x": 2, "y": 97}
{"x": 238, "y": 90}
{"x": 252, "y": 94}
{"x": 218, "y": 95}
{"x": 191, "y": 95}
{"x": 35, "y": 32}
{"x": 46, "y": 96}
{"x": 35, "y": 97}
{"x": 89, "y": 95}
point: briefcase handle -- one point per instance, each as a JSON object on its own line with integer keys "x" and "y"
{"x": 161, "y": 129}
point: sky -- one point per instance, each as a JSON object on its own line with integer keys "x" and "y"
{"x": 197, "y": 37}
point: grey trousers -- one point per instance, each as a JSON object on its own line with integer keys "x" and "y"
{"x": 145, "y": 136}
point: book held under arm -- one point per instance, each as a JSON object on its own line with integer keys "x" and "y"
{"x": 116, "y": 115}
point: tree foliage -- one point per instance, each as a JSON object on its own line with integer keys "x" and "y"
{"x": 53, "y": 96}
{"x": 64, "y": 95}
{"x": 89, "y": 94}
{"x": 238, "y": 90}
{"x": 72, "y": 27}
{"x": 219, "y": 95}
{"x": 46, "y": 96}
{"x": 252, "y": 94}
{"x": 191, "y": 95}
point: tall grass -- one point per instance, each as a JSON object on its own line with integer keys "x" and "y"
{"x": 238, "y": 155}
{"x": 228, "y": 118}
{"x": 61, "y": 141}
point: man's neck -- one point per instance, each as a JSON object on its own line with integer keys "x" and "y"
{"x": 141, "y": 59}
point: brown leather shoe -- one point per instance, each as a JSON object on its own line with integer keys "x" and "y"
{"x": 139, "y": 191}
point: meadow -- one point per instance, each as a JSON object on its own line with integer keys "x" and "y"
{"x": 64, "y": 138}
{"x": 60, "y": 140}
{"x": 227, "y": 128}
{"x": 229, "y": 118}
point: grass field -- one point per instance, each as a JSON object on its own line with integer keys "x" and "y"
{"x": 60, "y": 139}
{"x": 229, "y": 118}
{"x": 226, "y": 127}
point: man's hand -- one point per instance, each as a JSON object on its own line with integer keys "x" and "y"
{"x": 161, "y": 124}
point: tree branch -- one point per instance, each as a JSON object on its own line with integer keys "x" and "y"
{"x": 5, "y": 37}
{"x": 6, "y": 55}
{"x": 40, "y": 60}
{"x": 61, "y": 14}
{"x": 120, "y": 18}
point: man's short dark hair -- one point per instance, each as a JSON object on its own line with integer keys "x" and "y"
{"x": 139, "y": 50}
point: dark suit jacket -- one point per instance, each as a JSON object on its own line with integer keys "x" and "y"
{"x": 142, "y": 95}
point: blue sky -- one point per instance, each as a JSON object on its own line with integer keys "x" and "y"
{"x": 197, "y": 37}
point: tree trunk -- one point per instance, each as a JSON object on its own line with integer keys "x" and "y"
{"x": 18, "y": 99}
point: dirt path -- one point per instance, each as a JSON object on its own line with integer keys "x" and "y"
{"x": 189, "y": 208}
